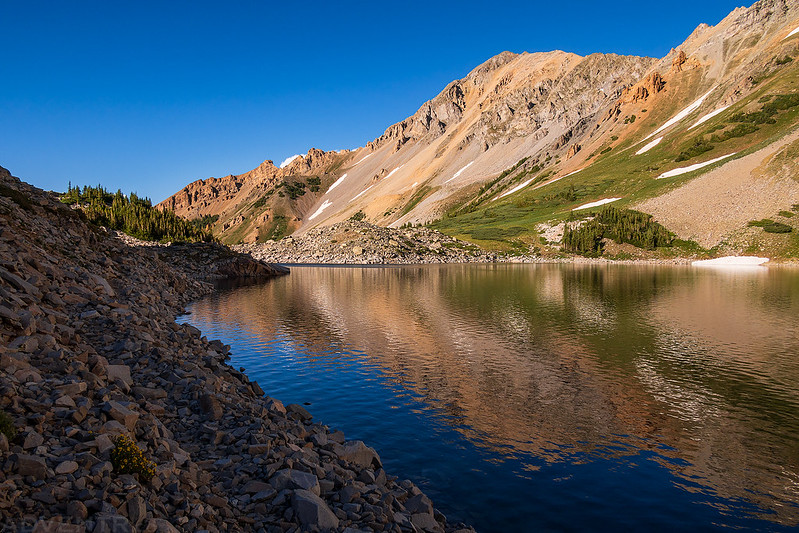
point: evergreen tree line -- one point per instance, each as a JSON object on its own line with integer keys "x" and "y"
{"x": 620, "y": 225}
{"x": 133, "y": 215}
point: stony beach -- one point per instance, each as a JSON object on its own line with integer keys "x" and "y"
{"x": 90, "y": 351}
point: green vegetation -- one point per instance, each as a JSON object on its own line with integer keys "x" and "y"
{"x": 277, "y": 230}
{"x": 770, "y": 226}
{"x": 777, "y": 227}
{"x": 786, "y": 214}
{"x": 620, "y": 225}
{"x": 698, "y": 147}
{"x": 7, "y": 427}
{"x": 204, "y": 222}
{"x": 767, "y": 113}
{"x": 417, "y": 197}
{"x": 127, "y": 458}
{"x": 133, "y": 215}
{"x": 784, "y": 60}
{"x": 360, "y": 215}
{"x": 313, "y": 183}
{"x": 260, "y": 202}
{"x": 294, "y": 189}
{"x": 606, "y": 150}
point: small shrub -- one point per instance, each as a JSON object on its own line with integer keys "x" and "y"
{"x": 759, "y": 223}
{"x": 127, "y": 458}
{"x": 786, "y": 214}
{"x": 777, "y": 227}
{"x": 360, "y": 215}
{"x": 7, "y": 426}
{"x": 606, "y": 150}
{"x": 784, "y": 60}
{"x": 699, "y": 146}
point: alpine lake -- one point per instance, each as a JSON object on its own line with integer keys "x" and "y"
{"x": 547, "y": 397}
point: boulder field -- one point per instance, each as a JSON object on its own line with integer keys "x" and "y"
{"x": 90, "y": 352}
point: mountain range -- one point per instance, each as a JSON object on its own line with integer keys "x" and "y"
{"x": 704, "y": 139}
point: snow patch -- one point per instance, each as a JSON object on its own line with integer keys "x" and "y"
{"x": 682, "y": 114}
{"x": 286, "y": 162}
{"x": 649, "y": 146}
{"x": 691, "y": 168}
{"x": 336, "y": 183}
{"x": 415, "y": 183}
{"x": 595, "y": 204}
{"x": 362, "y": 160}
{"x": 322, "y": 207}
{"x": 361, "y": 193}
{"x": 571, "y": 173}
{"x": 794, "y": 32}
{"x": 393, "y": 171}
{"x": 709, "y": 116}
{"x": 515, "y": 189}
{"x": 458, "y": 173}
{"x": 732, "y": 260}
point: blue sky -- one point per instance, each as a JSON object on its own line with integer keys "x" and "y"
{"x": 148, "y": 96}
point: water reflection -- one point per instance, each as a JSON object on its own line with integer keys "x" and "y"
{"x": 563, "y": 364}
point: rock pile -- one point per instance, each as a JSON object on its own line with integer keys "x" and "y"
{"x": 89, "y": 351}
{"x": 357, "y": 242}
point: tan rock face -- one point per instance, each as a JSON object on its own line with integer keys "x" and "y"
{"x": 650, "y": 85}
{"x": 678, "y": 62}
{"x": 572, "y": 151}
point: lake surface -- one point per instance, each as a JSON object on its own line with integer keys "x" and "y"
{"x": 545, "y": 397}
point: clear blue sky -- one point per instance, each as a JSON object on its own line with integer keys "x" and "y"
{"x": 148, "y": 96}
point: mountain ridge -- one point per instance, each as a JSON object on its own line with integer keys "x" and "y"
{"x": 546, "y": 115}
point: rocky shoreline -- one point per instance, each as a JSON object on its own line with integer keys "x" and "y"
{"x": 360, "y": 243}
{"x": 89, "y": 351}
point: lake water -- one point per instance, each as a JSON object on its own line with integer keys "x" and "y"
{"x": 545, "y": 397}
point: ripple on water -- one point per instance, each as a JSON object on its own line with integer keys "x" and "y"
{"x": 552, "y": 397}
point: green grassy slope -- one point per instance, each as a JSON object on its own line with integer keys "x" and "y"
{"x": 766, "y": 114}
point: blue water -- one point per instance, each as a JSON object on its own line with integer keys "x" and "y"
{"x": 545, "y": 398}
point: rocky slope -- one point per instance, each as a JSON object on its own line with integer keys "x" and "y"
{"x": 522, "y": 129}
{"x": 89, "y": 351}
{"x": 352, "y": 242}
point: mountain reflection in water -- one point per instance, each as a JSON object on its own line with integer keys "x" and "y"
{"x": 676, "y": 383}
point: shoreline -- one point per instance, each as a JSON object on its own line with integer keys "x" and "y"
{"x": 360, "y": 243}
{"x": 90, "y": 351}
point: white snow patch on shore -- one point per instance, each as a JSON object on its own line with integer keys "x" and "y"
{"x": 393, "y": 171}
{"x": 596, "y": 204}
{"x": 322, "y": 207}
{"x": 458, "y": 173}
{"x": 362, "y": 160}
{"x": 286, "y": 162}
{"x": 649, "y": 146}
{"x": 732, "y": 260}
{"x": 691, "y": 168}
{"x": 709, "y": 116}
{"x": 361, "y": 193}
{"x": 336, "y": 183}
{"x": 682, "y": 114}
{"x": 794, "y": 32}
